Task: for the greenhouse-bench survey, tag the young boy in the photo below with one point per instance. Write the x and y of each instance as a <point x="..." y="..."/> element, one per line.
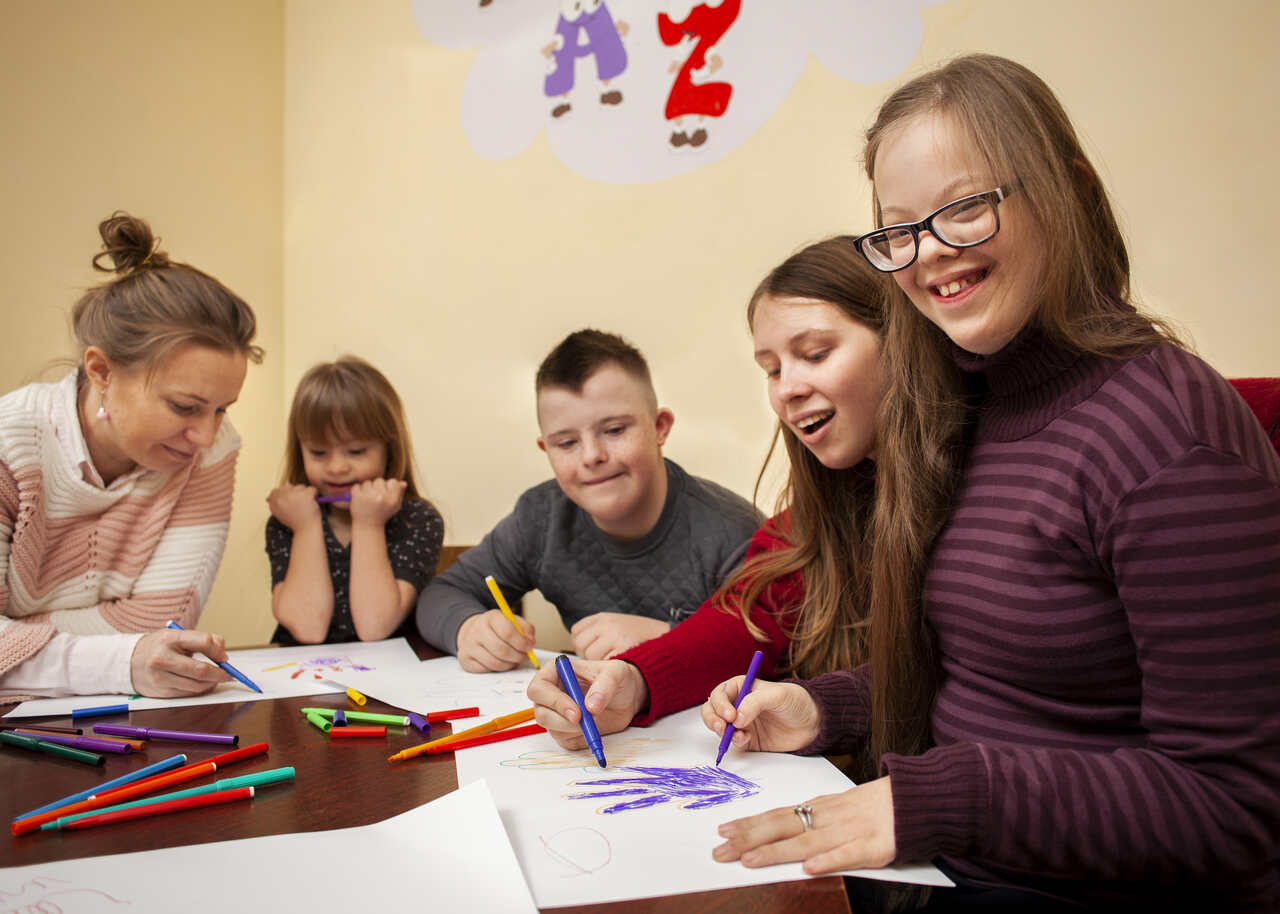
<point x="623" y="542"/>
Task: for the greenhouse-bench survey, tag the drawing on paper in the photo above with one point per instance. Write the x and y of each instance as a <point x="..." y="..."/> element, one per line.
<point x="487" y="687"/>
<point x="319" y="667"/>
<point x="692" y="788"/>
<point x="40" y="891"/>
<point x="580" y="850"/>
<point x="621" y="753"/>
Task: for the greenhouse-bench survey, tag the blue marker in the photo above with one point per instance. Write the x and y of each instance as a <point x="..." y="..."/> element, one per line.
<point x="569" y="679"/>
<point x="173" y="761"/>
<point x="747" y="683"/>
<point x="99" y="711"/>
<point x="222" y="663"/>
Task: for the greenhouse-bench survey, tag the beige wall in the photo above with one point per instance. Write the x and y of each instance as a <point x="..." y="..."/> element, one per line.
<point x="172" y="110"/>
<point x="455" y="274"/>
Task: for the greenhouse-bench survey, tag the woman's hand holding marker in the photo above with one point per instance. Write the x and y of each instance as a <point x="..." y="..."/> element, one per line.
<point x="615" y="694"/>
<point x="774" y="717"/>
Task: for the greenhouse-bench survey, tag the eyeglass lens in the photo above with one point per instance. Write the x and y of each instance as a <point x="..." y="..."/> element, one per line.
<point x="963" y="223"/>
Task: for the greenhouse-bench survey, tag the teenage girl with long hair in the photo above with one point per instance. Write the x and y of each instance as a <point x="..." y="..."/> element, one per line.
<point x="1077" y="588"/>
<point x="802" y="593"/>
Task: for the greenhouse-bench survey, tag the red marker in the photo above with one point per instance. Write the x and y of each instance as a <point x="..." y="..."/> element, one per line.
<point x="356" y="732"/>
<point x="436" y="717"/>
<point x="218" y="761"/>
<point x="487" y="738"/>
<point x="160" y="809"/>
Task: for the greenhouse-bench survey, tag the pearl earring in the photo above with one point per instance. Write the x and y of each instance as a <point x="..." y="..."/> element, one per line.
<point x="102" y="415"/>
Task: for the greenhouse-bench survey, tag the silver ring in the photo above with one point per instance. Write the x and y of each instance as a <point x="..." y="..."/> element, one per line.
<point x="805" y="812"/>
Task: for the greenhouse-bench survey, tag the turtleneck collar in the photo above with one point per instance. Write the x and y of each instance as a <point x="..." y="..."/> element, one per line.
<point x="1030" y="382"/>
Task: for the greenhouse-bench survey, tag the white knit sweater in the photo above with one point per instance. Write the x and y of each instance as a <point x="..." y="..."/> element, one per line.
<point x="79" y="558"/>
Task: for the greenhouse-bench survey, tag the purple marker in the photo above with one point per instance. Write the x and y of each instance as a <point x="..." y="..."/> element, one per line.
<point x="194" y="736"/>
<point x="747" y="683"/>
<point x="81" y="742"/>
<point x="330" y="499"/>
<point x="420" y="723"/>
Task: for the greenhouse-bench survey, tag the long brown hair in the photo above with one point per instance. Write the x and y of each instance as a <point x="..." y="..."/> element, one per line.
<point x="156" y="304"/>
<point x="830" y="510"/>
<point x="1017" y="127"/>
<point x="349" y="398"/>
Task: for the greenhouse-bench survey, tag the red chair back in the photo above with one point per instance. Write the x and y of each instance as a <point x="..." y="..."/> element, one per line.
<point x="1263" y="397"/>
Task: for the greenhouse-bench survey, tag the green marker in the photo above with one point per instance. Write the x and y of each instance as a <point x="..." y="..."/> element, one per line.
<point x="323" y="725"/>
<point x="275" y="775"/>
<point x="395" y="720"/>
<point x="39" y="745"/>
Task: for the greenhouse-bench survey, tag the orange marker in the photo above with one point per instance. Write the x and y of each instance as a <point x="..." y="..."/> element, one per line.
<point x="498" y="723"/>
<point x="514" y="733"/>
<point x="142" y="788"/>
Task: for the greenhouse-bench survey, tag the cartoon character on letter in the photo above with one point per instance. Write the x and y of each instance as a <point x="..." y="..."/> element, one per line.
<point x="603" y="40"/>
<point x="695" y="35"/>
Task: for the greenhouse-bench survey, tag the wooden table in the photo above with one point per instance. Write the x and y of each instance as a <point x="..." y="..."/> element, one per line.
<point x="338" y="784"/>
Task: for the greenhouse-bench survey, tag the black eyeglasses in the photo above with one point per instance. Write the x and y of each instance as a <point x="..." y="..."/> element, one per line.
<point x="962" y="223"/>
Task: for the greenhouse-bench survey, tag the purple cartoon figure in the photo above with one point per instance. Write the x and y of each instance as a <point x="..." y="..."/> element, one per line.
<point x="585" y="29"/>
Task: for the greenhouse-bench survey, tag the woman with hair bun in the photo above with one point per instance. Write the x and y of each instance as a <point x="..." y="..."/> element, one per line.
<point x="116" y="483"/>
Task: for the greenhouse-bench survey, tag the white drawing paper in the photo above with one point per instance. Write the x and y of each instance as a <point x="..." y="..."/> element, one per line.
<point x="442" y="684"/>
<point x="281" y="672"/>
<point x="580" y="841"/>
<point x="451" y="854"/>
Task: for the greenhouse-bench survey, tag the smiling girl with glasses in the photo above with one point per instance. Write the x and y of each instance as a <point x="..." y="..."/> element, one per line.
<point x="1077" y="588"/>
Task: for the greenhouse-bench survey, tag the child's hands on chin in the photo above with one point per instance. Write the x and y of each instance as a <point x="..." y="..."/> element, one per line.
<point x="294" y="505"/>
<point x="376" y="501"/>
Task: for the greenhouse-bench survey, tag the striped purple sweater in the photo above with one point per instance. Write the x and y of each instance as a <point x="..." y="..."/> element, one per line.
<point x="1106" y="598"/>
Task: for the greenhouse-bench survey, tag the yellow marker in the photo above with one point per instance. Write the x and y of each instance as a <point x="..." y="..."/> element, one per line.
<point x="511" y="617"/>
<point x="498" y="723"/>
<point x="356" y="697"/>
<point x="281" y="666"/>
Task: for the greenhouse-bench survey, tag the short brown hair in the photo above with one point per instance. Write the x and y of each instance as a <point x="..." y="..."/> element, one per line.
<point x="349" y="398"/>
<point x="155" y="304"/>
<point x="583" y="353"/>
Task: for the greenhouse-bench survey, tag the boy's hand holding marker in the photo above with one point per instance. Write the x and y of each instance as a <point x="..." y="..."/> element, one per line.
<point x="495" y="641"/>
<point x="614" y="693"/>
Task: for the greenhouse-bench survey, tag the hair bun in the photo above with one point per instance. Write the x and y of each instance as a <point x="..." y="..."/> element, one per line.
<point x="130" y="244"/>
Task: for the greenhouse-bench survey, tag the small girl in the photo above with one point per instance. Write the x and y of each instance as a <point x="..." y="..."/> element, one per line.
<point x="351" y="542"/>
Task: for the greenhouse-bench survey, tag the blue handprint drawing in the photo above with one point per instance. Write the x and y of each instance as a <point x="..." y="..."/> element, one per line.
<point x="700" y="787"/>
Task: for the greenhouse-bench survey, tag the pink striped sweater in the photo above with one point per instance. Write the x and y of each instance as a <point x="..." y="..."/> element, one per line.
<point x="81" y="559"/>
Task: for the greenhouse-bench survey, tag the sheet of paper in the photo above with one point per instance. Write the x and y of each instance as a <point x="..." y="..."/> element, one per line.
<point x="442" y="683"/>
<point x="451" y="855"/>
<point x="581" y="840"/>
<point x="281" y="672"/>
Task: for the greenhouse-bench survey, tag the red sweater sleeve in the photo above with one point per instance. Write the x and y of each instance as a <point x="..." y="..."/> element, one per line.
<point x="684" y="665"/>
